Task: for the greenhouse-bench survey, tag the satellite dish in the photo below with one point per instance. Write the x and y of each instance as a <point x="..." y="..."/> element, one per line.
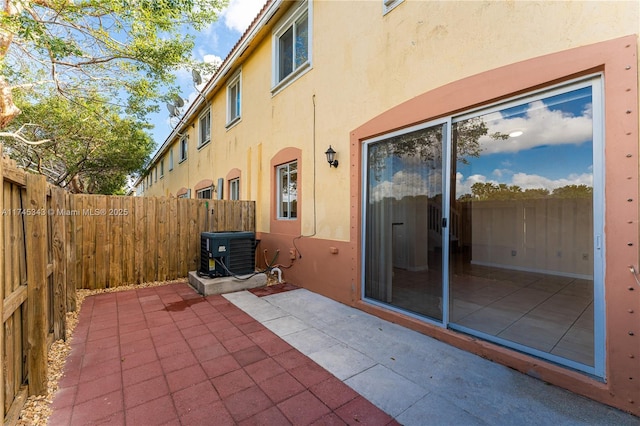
<point x="173" y="111"/>
<point x="178" y="102"/>
<point x="197" y="78"/>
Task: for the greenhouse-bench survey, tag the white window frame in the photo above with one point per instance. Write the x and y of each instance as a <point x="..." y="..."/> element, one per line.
<point x="184" y="148"/>
<point x="161" y="168"/>
<point x="201" y="192"/>
<point x="234" y="103"/>
<point x="171" y="159"/>
<point x="305" y="9"/>
<point x="234" y="189"/>
<point x="389" y="5"/>
<point x="204" y="128"/>
<point x="279" y="196"/>
<point x="155" y="174"/>
<point x="186" y="194"/>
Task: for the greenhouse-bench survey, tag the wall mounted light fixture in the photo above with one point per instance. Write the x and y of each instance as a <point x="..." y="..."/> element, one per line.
<point x="331" y="155"/>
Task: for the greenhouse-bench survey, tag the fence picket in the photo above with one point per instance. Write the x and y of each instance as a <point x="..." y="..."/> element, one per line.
<point x="57" y="218"/>
<point x="114" y="230"/>
<point x="37" y="283"/>
<point x="127" y="230"/>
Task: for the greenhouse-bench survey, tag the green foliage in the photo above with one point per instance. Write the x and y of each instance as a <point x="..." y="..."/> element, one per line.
<point x="481" y="191"/>
<point x="126" y="50"/>
<point x="426" y="144"/>
<point x="92" y="147"/>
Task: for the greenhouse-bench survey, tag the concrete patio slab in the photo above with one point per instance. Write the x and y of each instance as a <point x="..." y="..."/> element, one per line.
<point x="375" y="383"/>
<point x="342" y="360"/>
<point x="418" y="379"/>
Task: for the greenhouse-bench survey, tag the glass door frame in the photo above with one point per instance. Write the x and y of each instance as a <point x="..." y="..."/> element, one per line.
<point x="595" y="81"/>
<point x="446" y="132"/>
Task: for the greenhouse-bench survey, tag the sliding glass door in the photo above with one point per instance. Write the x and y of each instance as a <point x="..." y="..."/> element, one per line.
<point x="512" y="241"/>
<point x="404" y="206"/>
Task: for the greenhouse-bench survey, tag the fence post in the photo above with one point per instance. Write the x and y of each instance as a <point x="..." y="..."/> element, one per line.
<point x="59" y="243"/>
<point x="36" y="211"/>
<point x="71" y="231"/>
<point x="2" y="284"/>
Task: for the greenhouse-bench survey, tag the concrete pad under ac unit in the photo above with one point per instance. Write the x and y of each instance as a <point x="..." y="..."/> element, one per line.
<point x="208" y="286"/>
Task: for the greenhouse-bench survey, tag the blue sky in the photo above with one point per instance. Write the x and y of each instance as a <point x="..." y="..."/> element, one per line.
<point x="550" y="146"/>
<point x="211" y="44"/>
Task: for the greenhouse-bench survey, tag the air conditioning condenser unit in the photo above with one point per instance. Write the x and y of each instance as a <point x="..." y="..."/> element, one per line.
<point x="224" y="254"/>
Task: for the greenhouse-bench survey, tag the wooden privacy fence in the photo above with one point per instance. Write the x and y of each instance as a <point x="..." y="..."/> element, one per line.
<point x="128" y="240"/>
<point x="54" y="243"/>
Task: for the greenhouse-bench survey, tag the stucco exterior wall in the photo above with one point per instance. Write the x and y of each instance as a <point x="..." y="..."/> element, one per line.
<point x="617" y="61"/>
<point x="372" y="73"/>
<point x="365" y="62"/>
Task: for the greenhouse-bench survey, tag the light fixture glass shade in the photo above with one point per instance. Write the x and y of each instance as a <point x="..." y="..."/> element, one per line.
<point x="331" y="155"/>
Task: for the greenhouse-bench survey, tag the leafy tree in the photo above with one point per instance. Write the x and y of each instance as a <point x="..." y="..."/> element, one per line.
<point x="88" y="147"/>
<point x="426" y="144"/>
<point x="126" y="50"/>
<point x="573" y="191"/>
<point x="481" y="191"/>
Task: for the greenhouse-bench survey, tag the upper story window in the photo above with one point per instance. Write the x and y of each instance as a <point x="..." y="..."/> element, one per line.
<point x="291" y="46"/>
<point x="183" y="149"/>
<point x="287" y="190"/>
<point x="161" y="168"/>
<point x="171" y="159"/>
<point x="206" y="193"/>
<point x="234" y="189"/>
<point x="234" y="102"/>
<point x="205" y="128"/>
<point x="387" y="5"/>
<point x="155" y="174"/>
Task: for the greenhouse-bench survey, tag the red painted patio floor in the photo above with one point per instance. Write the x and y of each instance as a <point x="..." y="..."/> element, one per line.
<point x="168" y="356"/>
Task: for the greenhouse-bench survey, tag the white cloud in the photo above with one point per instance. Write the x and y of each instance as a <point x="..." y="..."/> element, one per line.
<point x="407" y="184"/>
<point x="540" y="126"/>
<point x="240" y="13"/>
<point x="212" y="59"/>
<point x="463" y="186"/>
<point x="524" y="181"/>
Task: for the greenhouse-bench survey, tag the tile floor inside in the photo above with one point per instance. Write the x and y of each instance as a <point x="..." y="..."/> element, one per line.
<point x="549" y="313"/>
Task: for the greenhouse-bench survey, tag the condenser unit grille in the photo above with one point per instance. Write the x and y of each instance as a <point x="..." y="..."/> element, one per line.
<point x="241" y="255"/>
<point x="227" y="253"/>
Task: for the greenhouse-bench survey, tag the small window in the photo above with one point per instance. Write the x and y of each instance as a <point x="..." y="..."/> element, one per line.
<point x="234" y="189"/>
<point x="186" y="194"/>
<point x="387" y="5"/>
<point x="155" y="174"/>
<point x="161" y="168"/>
<point x="205" y="193"/>
<point x="183" y="149"/>
<point x="205" y="129"/>
<point x="171" y="159"/>
<point x="292" y="50"/>
<point x="287" y="177"/>
<point x="234" y="102"/>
